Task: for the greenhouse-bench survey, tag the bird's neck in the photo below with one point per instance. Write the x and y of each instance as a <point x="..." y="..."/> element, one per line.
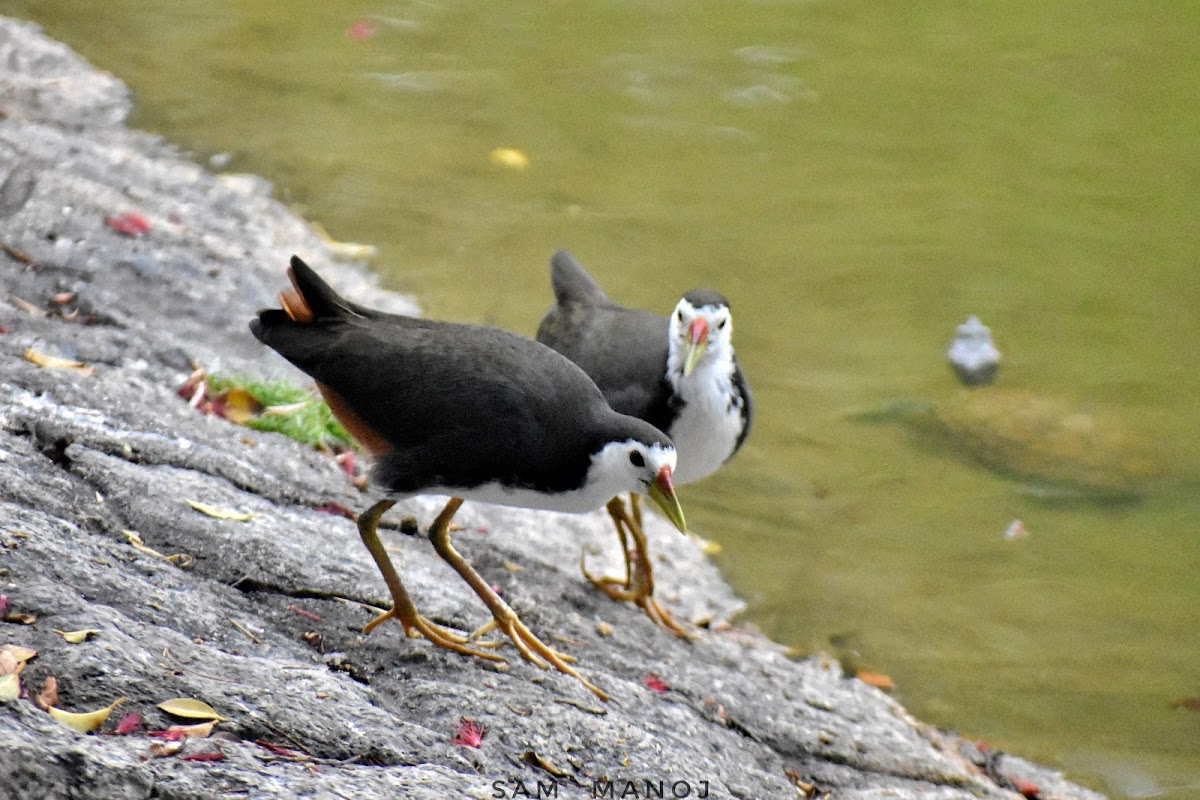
<point x="711" y="382"/>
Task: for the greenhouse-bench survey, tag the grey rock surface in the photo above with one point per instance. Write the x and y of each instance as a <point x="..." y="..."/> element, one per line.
<point x="85" y="458"/>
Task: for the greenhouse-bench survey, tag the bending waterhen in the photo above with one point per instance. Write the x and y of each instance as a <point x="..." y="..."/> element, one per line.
<point x="678" y="373"/>
<point x="471" y="412"/>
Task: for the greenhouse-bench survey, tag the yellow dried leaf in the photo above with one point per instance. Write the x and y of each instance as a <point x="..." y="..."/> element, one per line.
<point x="200" y="730"/>
<point x="220" y="513"/>
<point x="10" y="686"/>
<point x="54" y="362"/>
<point x="344" y="249"/>
<point x="88" y="722"/>
<point x="240" y="405"/>
<point x="75" y="637"/>
<point x="509" y="157"/>
<point x="18" y="654"/>
<point x="190" y="709"/>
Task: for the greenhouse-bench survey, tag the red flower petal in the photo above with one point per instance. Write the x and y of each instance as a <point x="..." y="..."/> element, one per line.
<point x="128" y="224"/>
<point x="130" y="723"/>
<point x="362" y="30"/>
<point x="469" y="734"/>
<point x="655" y="684"/>
<point x="203" y="757"/>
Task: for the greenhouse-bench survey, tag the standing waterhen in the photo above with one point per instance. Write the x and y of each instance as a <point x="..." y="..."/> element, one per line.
<point x="678" y="373"/>
<point x="466" y="411"/>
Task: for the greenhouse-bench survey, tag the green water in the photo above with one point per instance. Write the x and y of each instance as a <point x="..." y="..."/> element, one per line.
<point x="857" y="177"/>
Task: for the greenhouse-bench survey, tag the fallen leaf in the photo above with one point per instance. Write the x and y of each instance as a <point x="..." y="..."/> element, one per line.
<point x="303" y="613"/>
<point x="220" y="513"/>
<point x="469" y="733"/>
<point x="1015" y="530"/>
<point x="169" y="735"/>
<point x="276" y="749"/>
<point x="128" y="224"/>
<point x="18" y="654"/>
<point x="655" y="684"/>
<point x="344" y="249"/>
<point x="1027" y="789"/>
<point x="203" y="757"/>
<point x="10" y="686"/>
<point x="47" y="698"/>
<point x="239" y="406"/>
<point x="337" y="509"/>
<point x="604" y="629"/>
<point x="130" y="723"/>
<point x="190" y="709"/>
<point x="876" y="679"/>
<point x="54" y="362"/>
<point x="362" y="30"/>
<point x="167" y="748"/>
<point x="531" y="758"/>
<point x="509" y="157"/>
<point x="201" y="730"/>
<point x="75" y="637"/>
<point x="20" y="619"/>
<point x="85" y="722"/>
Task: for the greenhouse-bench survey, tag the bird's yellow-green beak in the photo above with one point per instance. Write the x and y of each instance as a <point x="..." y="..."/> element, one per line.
<point x="662" y="491"/>
<point x="697" y="341"/>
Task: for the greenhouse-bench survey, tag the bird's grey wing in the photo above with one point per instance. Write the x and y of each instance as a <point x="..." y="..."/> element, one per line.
<point x="739" y="382"/>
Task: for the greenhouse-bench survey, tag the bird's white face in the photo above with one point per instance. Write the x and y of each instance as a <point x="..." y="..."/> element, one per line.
<point x="633" y="466"/>
<point x="700" y="336"/>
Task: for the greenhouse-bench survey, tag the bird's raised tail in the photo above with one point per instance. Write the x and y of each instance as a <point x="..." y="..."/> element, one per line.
<point x="572" y="283"/>
<point x="311" y="297"/>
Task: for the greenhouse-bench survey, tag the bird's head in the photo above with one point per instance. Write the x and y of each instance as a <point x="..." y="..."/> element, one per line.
<point x="644" y="464"/>
<point x="701" y="332"/>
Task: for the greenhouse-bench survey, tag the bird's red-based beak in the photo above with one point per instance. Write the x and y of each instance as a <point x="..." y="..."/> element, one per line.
<point x="697" y="341"/>
<point x="662" y="491"/>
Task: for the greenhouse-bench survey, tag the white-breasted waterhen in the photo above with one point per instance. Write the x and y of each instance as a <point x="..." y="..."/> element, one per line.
<point x="471" y="412"/>
<point x="678" y="373"/>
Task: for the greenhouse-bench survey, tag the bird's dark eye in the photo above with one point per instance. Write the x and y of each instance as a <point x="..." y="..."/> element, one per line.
<point x="679" y="315"/>
<point x="636" y="459"/>
<point x="721" y="324"/>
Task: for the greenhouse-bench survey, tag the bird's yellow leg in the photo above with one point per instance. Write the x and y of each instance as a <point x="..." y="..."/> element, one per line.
<point x="640" y="583"/>
<point x="403" y="608"/>
<point x="608" y="583"/>
<point x="506" y="620"/>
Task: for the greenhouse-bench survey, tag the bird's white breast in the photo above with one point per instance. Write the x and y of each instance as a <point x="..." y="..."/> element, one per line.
<point x="708" y="426"/>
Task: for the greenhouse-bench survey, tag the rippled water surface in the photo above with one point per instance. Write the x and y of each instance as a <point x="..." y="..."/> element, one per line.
<point x="857" y="177"/>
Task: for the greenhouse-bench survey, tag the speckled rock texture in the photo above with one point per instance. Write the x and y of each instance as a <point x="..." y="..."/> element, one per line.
<point x="264" y="621"/>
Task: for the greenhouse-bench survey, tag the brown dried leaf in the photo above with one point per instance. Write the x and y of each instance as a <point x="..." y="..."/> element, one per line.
<point x="166" y="748"/>
<point x="20" y="619"/>
<point x="47" y="698"/>
<point x="531" y="758"/>
<point x="876" y="679"/>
